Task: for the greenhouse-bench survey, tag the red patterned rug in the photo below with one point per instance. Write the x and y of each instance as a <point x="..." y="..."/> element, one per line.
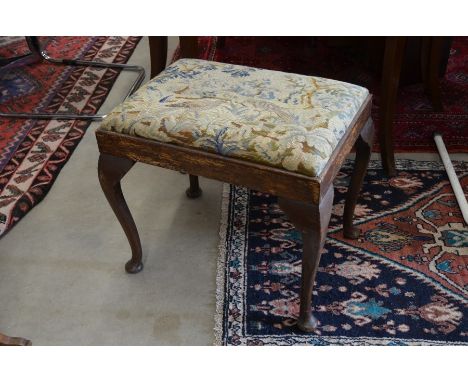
<point x="32" y="153"/>
<point x="415" y="122"/>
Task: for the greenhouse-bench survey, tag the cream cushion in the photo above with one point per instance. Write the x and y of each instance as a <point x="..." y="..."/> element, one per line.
<point x="283" y="120"/>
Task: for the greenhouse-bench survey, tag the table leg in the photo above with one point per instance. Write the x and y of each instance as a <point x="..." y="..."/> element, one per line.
<point x="188" y="46"/>
<point x="393" y="58"/>
<point x="430" y="63"/>
<point x="158" y="54"/>
<point x="221" y="42"/>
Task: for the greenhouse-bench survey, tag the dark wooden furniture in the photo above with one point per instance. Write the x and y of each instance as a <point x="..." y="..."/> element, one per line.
<point x="306" y="200"/>
<point x="393" y="58"/>
<point x="432" y="51"/>
<point x="13" y="341"/>
<point x="394" y="50"/>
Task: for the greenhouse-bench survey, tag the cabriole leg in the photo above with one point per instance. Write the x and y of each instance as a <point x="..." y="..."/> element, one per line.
<point x="111" y="170"/>
<point x="312" y="221"/>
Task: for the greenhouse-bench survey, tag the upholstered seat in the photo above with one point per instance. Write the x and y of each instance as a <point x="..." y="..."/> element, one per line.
<point x="283" y="120"/>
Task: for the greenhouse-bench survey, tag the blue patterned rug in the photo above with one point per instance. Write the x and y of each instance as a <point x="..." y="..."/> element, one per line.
<point x="403" y="282"/>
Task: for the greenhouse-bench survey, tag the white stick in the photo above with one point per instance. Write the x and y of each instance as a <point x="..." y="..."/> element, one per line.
<point x="452" y="175"/>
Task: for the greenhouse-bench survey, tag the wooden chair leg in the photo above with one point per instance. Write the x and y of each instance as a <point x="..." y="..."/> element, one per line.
<point x="393" y="58"/>
<point x="312" y="221"/>
<point x="188" y="46"/>
<point x="13" y="341"/>
<point x="111" y="170"/>
<point x="430" y="63"/>
<point x="363" y="152"/>
<point x="158" y="54"/>
<point x="194" y="191"/>
<point x="221" y="42"/>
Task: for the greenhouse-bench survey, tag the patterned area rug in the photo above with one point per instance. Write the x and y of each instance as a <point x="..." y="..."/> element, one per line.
<point x="415" y="121"/>
<point x="403" y="282"/>
<point x="32" y="153"/>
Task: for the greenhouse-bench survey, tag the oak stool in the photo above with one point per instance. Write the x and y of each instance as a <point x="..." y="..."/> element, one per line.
<point x="281" y="133"/>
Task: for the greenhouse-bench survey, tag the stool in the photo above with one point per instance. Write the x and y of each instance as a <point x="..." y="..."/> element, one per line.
<point x="280" y="133"/>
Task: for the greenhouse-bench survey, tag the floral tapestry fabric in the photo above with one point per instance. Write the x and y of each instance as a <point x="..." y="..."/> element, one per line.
<point x="283" y="120"/>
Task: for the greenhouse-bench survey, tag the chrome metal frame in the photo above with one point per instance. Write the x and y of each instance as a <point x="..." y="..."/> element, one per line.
<point x="37" y="54"/>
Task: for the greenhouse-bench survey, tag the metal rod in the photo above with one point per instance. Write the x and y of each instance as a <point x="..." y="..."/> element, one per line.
<point x="36" y="51"/>
<point x="452" y="175"/>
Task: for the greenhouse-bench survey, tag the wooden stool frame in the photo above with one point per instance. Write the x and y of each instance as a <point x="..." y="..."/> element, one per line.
<point x="306" y="200"/>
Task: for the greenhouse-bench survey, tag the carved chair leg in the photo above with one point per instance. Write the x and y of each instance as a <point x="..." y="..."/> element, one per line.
<point x="111" y="170"/>
<point x="194" y="191"/>
<point x="363" y="151"/>
<point x="312" y="221"/>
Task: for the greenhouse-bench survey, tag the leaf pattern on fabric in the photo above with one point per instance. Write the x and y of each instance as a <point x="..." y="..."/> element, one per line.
<point x="280" y="119"/>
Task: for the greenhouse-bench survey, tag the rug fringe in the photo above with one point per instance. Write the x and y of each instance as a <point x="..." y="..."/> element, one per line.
<point x="221" y="266"/>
